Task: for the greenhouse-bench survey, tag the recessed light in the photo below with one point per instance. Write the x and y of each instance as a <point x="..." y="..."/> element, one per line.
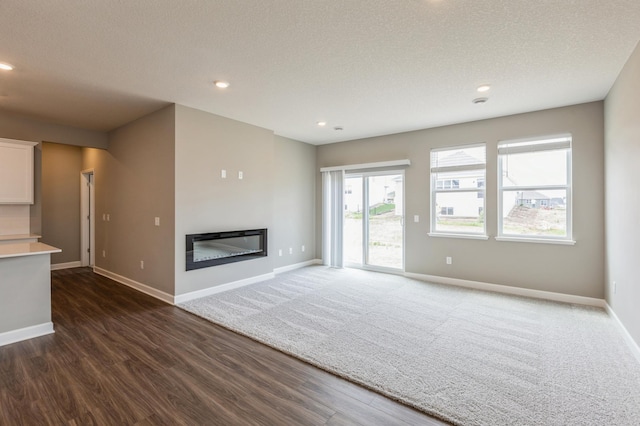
<point x="221" y="84"/>
<point x="5" y="66"/>
<point x="321" y="123"/>
<point x="484" y="88"/>
<point x="480" y="100"/>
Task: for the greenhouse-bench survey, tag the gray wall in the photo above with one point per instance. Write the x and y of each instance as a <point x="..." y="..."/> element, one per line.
<point x="134" y="183"/>
<point x="61" y="167"/>
<point x="26" y="292"/>
<point x="16" y="126"/>
<point x="204" y="202"/>
<point x="294" y="201"/>
<point x="576" y="270"/>
<point x="622" y="151"/>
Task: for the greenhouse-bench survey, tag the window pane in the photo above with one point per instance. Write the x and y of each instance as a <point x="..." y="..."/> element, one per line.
<point x="534" y="168"/>
<point x="352" y="226"/>
<point x="464" y="179"/>
<point x="459" y="212"/>
<point x="385" y="221"/>
<point x="534" y="213"/>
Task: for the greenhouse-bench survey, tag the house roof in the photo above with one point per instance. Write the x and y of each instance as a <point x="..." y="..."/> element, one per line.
<point x="534" y="195"/>
<point x="370" y="67"/>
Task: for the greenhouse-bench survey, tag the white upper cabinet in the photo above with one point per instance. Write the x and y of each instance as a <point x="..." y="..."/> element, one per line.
<point x="16" y="171"/>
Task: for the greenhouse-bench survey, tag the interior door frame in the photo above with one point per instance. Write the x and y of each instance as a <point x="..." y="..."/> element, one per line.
<point x="365" y="220"/>
<point x="87" y="218"/>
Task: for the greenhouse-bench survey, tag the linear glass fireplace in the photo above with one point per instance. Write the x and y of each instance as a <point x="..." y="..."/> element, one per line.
<point x="217" y="248"/>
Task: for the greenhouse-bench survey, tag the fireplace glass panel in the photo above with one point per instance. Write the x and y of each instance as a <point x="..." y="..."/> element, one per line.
<point x="228" y="247"/>
<point x="217" y="248"/>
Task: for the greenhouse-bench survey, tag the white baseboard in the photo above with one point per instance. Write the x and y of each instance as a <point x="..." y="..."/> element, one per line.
<point x="58" y="266"/>
<point x="633" y="345"/>
<point x="181" y="298"/>
<point x="517" y="291"/>
<point x="165" y="297"/>
<point x="297" y="266"/>
<point x="25" y="333"/>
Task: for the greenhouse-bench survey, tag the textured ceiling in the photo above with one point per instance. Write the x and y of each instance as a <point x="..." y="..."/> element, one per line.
<point x="371" y="66"/>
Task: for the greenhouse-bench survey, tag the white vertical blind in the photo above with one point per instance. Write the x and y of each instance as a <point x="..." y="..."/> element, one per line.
<point x="332" y="215"/>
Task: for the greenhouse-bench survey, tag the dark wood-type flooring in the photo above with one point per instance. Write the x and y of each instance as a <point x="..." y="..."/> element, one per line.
<point x="120" y="357"/>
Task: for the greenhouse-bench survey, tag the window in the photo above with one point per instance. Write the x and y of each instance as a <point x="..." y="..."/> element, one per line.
<point x="446" y="211"/>
<point x="534" y="189"/>
<point x="457" y="190"/>
<point x="447" y="183"/>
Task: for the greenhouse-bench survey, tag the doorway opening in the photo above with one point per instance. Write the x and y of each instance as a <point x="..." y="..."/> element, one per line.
<point x="87" y="218"/>
<point x="373" y="222"/>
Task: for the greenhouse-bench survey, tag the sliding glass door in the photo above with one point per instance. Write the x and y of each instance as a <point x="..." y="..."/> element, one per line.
<point x="373" y="226"/>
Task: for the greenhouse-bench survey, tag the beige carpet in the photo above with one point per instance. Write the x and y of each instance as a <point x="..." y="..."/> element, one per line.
<point x="465" y="356"/>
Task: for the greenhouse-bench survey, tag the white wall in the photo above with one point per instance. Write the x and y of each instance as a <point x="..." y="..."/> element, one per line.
<point x="622" y="173"/>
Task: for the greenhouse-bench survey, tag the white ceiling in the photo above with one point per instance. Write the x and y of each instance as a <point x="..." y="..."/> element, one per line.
<point x="371" y="66"/>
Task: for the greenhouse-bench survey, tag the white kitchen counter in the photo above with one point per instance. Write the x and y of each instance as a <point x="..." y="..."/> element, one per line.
<point x="26" y="249"/>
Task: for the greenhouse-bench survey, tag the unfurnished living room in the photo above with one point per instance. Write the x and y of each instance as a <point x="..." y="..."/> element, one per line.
<point x="314" y="212"/>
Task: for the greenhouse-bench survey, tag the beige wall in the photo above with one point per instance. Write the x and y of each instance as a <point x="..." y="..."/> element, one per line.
<point x="576" y="270"/>
<point x="134" y="183"/>
<point x="61" y="167"/>
<point x="206" y="144"/>
<point x="622" y="151"/>
<point x="294" y="201"/>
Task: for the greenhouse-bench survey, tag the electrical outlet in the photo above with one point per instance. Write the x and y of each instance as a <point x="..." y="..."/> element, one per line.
<point x="142" y="264"/>
<point x="615" y="287"/>
<point x="416" y="218"/>
<point x="104" y="253"/>
<point x="449" y="260"/>
<point x="157" y="221"/>
<point x="108" y="217"/>
<point x="303" y="249"/>
<point x="223" y="174"/>
<point x="290" y="250"/>
<point x="280" y="252"/>
<point x="240" y="175"/>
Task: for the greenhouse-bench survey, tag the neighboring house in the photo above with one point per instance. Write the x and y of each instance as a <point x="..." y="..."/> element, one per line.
<point x="537" y="200"/>
<point x="352" y="195"/>
<point x="463" y="204"/>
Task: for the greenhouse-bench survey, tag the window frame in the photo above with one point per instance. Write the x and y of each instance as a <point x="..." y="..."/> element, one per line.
<point x="433" y="171"/>
<point x="531" y="145"/>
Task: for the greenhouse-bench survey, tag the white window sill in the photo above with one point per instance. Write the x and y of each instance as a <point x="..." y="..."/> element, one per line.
<point x="536" y="240"/>
<point x="464" y="236"/>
